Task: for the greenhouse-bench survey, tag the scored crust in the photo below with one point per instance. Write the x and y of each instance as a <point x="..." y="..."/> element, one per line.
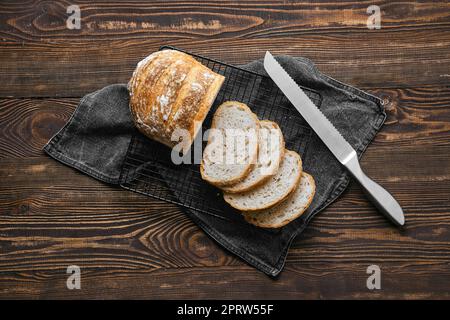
<point x="241" y="186"/>
<point x="257" y="217"/>
<point x="252" y="157"/>
<point x="171" y="90"/>
<point x="228" y="196"/>
<point x="206" y="105"/>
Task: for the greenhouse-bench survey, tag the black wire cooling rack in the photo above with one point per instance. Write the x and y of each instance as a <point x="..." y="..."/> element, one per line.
<point x="148" y="168"/>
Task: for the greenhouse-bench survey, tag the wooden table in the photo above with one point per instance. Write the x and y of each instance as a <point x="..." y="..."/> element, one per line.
<point x="129" y="246"/>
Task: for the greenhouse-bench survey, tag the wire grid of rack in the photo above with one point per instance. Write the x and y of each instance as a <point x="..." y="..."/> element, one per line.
<point x="148" y="167"/>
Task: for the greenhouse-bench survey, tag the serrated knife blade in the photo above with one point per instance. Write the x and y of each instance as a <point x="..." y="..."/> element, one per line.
<point x="333" y="139"/>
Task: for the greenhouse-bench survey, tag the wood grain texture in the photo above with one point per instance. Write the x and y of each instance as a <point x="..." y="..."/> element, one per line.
<point x="45" y="21"/>
<point x="309" y="281"/>
<point x="130" y="246"/>
<point x="115" y="37"/>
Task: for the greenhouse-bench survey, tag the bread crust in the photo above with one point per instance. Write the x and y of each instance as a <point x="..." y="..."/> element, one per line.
<point x="275" y="202"/>
<point x="252" y="158"/>
<point x="171" y="90"/>
<point x="236" y="189"/>
<point x="292" y="217"/>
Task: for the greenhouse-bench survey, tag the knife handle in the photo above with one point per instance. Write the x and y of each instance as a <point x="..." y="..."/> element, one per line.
<point x="379" y="196"/>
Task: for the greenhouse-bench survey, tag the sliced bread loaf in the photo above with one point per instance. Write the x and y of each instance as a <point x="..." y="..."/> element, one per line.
<point x="274" y="190"/>
<point x="232" y="148"/>
<point x="288" y="210"/>
<point x="270" y="153"/>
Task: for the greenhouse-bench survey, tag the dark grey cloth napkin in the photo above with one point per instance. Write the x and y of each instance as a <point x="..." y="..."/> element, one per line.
<point x="96" y="138"/>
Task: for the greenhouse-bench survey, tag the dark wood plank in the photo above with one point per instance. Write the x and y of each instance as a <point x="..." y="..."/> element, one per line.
<point x="27" y="124"/>
<point x="63" y="70"/>
<point x="308" y="281"/>
<point x="46" y="59"/>
<point x="416" y="116"/>
<point x="45" y="21"/>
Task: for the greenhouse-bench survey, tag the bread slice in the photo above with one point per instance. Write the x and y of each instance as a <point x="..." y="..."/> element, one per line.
<point x="274" y="190"/>
<point x="232" y="148"/>
<point x="270" y="153"/>
<point x="288" y="210"/>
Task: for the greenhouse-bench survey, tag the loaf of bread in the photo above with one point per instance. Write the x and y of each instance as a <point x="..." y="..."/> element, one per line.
<point x="170" y="90"/>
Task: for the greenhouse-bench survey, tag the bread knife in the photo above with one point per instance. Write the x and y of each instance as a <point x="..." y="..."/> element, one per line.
<point x="332" y="138"/>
